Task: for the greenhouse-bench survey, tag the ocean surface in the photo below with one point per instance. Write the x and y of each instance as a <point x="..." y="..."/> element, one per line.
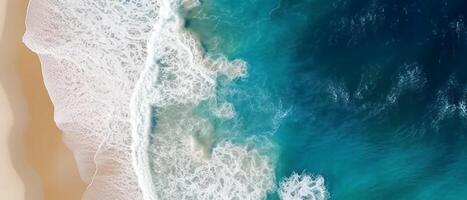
<point x="368" y="94"/>
<point x="259" y="99"/>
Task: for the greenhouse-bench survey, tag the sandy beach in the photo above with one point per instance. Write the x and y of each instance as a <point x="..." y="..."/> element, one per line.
<point x="11" y="185"/>
<point x="36" y="164"/>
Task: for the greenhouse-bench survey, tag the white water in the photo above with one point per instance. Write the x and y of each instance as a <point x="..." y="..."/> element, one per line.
<point x="92" y="53"/>
<point x="109" y="68"/>
<point x="175" y="161"/>
<point x="302" y="187"/>
<point x="103" y="80"/>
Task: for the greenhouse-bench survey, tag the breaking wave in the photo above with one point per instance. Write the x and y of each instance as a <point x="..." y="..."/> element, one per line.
<point x="125" y="78"/>
<point x="303" y="187"/>
<point x="178" y="159"/>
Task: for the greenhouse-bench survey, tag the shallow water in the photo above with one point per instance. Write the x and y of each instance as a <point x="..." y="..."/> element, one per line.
<point x="369" y="94"/>
<point x="262" y="99"/>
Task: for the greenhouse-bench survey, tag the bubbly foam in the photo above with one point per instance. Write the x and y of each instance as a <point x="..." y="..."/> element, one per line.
<point x="446" y="106"/>
<point x="179" y="159"/>
<point x="186" y="164"/>
<point x="125" y="77"/>
<point x="92" y="53"/>
<point x="410" y="78"/>
<point x="302" y="187"/>
<point x="225" y="110"/>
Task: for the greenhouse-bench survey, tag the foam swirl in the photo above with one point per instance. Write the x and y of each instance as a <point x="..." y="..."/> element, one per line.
<point x="178" y="159"/>
<point x="108" y="66"/>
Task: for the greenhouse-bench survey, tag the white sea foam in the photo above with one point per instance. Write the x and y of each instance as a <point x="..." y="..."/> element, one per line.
<point x="446" y="106"/>
<point x="92" y="53"/>
<point x="303" y="187"/>
<point x="410" y="78"/>
<point x="179" y="159"/>
<point x="111" y="65"/>
<point x="225" y="110"/>
<point x="367" y="83"/>
<point x="339" y="92"/>
<point x="186" y="164"/>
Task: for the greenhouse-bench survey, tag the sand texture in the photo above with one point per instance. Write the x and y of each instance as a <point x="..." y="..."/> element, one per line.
<point x="36" y="151"/>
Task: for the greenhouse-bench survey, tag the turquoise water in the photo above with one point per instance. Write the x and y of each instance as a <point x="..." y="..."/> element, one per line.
<point x="369" y="94"/>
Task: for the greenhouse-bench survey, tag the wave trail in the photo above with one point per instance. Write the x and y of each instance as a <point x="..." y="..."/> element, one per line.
<point x="107" y="66"/>
<point x="126" y="80"/>
<point x="178" y="159"/>
<point x="92" y="52"/>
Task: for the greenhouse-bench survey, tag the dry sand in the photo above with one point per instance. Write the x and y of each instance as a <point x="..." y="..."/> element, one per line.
<point x="11" y="185"/>
<point x="45" y="166"/>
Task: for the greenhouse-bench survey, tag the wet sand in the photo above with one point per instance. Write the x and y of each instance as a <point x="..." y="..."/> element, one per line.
<point x="46" y="166"/>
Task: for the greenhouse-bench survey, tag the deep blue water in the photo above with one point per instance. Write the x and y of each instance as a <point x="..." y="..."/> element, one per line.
<point x="370" y="94"/>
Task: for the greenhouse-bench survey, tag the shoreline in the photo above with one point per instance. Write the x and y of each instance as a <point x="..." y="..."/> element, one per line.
<point x="46" y="166"/>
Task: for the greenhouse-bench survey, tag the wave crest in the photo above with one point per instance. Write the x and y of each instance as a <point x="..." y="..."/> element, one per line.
<point x="303" y="187"/>
<point x="179" y="158"/>
<point x="92" y="53"/>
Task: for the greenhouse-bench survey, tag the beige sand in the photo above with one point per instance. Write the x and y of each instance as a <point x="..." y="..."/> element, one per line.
<point x="45" y="165"/>
<point x="11" y="185"/>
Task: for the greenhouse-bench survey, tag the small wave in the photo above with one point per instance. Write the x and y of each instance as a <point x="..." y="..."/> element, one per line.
<point x="303" y="187"/>
<point x="410" y="78"/>
<point x="186" y="164"/>
<point x="450" y="102"/>
<point x="179" y="159"/>
<point x="339" y="92"/>
<point x="111" y="68"/>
